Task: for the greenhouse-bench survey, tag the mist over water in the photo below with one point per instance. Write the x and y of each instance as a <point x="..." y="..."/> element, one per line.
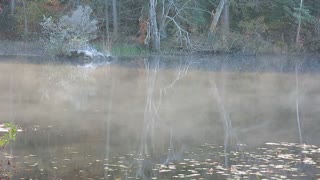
<point x="77" y="118"/>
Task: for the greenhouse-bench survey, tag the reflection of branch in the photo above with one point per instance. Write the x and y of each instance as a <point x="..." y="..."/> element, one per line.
<point x="179" y="76"/>
<point x="226" y="120"/>
<point x="297" y="105"/>
<point x="109" y="116"/>
<point x="150" y="117"/>
<point x="151" y="112"/>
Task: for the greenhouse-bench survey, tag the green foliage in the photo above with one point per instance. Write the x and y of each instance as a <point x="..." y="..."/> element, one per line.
<point x="254" y="35"/>
<point x="34" y="12"/>
<point x="10" y="135"/>
<point x="254" y="27"/>
<point x="126" y="50"/>
<point x="312" y="36"/>
<point x="304" y="14"/>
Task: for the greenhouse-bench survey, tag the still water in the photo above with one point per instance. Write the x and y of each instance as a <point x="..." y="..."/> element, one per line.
<point x="154" y="117"/>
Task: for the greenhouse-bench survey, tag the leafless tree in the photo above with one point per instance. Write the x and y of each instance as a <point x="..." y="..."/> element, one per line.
<point x="299" y="25"/>
<point x="226" y="20"/>
<point x="216" y="16"/>
<point x="154" y="32"/>
<point x="26" y="29"/>
<point x="12" y="6"/>
<point x="115" y="17"/>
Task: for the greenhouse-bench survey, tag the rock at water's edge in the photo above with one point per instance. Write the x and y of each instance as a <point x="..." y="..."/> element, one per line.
<point x="88" y="54"/>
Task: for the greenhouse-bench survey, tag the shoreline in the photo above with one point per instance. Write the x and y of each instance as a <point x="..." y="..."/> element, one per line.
<point x="36" y="49"/>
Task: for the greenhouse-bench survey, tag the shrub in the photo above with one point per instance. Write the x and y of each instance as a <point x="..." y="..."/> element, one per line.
<point x="253" y="32"/>
<point x="69" y="33"/>
<point x="10" y="135"/>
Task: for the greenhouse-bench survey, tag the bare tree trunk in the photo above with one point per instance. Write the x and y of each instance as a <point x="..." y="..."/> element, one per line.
<point x="162" y="23"/>
<point x="107" y="23"/>
<point x="115" y="17"/>
<point x="106" y="11"/>
<point x="299" y="25"/>
<point x="26" y="29"/>
<point x="77" y="4"/>
<point x="12" y="6"/>
<point x="163" y="29"/>
<point x="216" y="16"/>
<point x="256" y="5"/>
<point x="155" y="38"/>
<point x="226" y="23"/>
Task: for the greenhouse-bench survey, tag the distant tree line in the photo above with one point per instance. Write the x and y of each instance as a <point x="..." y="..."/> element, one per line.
<point x="195" y="25"/>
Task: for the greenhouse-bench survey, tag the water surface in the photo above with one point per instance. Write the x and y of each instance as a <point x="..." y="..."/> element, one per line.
<point x="77" y="119"/>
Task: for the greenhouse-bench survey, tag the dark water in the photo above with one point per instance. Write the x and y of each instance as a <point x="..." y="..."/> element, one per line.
<point x="146" y="117"/>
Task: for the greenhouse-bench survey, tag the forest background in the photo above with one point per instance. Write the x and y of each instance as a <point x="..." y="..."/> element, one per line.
<point x="210" y="26"/>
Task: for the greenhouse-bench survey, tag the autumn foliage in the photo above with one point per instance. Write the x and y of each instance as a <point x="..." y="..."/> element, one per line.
<point x="54" y="5"/>
<point x="143" y="30"/>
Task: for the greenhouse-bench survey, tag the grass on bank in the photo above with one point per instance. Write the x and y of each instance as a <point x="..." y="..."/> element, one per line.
<point x="127" y="50"/>
<point x="121" y="49"/>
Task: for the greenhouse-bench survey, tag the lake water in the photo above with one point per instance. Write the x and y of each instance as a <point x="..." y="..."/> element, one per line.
<point x="134" y="117"/>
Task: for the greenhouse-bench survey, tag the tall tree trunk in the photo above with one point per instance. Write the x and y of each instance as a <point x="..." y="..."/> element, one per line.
<point x="226" y="23"/>
<point x="256" y="5"/>
<point x="162" y="23"/>
<point x="106" y="11"/>
<point x="12" y="6"/>
<point x="216" y="16"/>
<point x="163" y="29"/>
<point x="107" y="23"/>
<point x="77" y="4"/>
<point x="115" y="17"/>
<point x="299" y="25"/>
<point x="155" y="38"/>
<point x="26" y="29"/>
